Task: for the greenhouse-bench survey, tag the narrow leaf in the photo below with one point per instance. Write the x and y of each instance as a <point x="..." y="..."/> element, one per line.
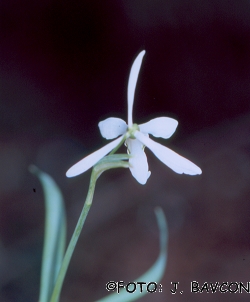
<point x="55" y="234"/>
<point x="154" y="274"/>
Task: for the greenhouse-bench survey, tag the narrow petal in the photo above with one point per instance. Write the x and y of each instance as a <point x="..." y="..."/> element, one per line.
<point x="133" y="76"/>
<point x="170" y="158"/>
<point x="160" y="127"/>
<point x="90" y="160"/>
<point x="112" y="127"/>
<point x="138" y="162"/>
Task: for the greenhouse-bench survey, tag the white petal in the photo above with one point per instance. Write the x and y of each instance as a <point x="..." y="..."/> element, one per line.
<point x="170" y="158"/>
<point x="133" y="76"/>
<point x="138" y="161"/>
<point x="160" y="127"/>
<point x="90" y="160"/>
<point x="112" y="127"/>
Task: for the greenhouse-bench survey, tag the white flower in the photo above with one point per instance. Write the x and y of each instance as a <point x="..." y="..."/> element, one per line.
<point x="136" y="137"/>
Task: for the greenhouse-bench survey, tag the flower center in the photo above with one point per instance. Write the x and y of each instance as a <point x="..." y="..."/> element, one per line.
<point x="132" y="129"/>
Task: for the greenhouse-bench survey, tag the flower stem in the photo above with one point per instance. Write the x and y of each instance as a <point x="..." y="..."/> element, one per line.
<point x="119" y="145"/>
<point x="110" y="162"/>
<point x="61" y="275"/>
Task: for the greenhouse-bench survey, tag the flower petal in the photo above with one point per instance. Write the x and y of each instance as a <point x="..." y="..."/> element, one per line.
<point x="90" y="160"/>
<point x="170" y="158"/>
<point x="138" y="162"/>
<point x="112" y="127"/>
<point x="160" y="127"/>
<point x="133" y="76"/>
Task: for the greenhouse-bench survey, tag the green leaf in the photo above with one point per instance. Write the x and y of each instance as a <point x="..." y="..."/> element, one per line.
<point x="55" y="234"/>
<point x="154" y="274"/>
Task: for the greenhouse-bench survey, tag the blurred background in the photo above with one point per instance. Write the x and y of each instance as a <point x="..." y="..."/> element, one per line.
<point x="64" y="68"/>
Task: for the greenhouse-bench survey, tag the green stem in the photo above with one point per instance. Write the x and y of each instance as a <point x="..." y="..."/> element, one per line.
<point x="61" y="275"/>
<point x="119" y="145"/>
<point x="98" y="169"/>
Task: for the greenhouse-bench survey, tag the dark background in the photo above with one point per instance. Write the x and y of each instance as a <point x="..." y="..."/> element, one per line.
<point x="65" y="67"/>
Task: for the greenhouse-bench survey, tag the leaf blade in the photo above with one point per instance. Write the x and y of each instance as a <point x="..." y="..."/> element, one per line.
<point x="55" y="233"/>
<point x="155" y="273"/>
